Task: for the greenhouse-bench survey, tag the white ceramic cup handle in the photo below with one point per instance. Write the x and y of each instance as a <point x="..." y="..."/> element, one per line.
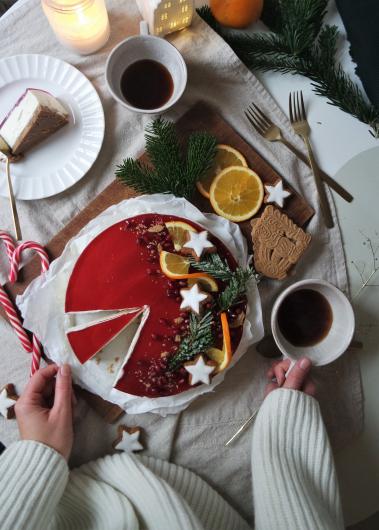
<point x="290" y="368"/>
<point x="143" y="28"/>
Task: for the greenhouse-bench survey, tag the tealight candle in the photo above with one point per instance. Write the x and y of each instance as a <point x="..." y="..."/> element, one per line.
<point x="81" y="25"/>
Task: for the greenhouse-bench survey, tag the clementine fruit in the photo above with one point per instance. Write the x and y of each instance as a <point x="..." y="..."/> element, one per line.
<point x="236" y="13"/>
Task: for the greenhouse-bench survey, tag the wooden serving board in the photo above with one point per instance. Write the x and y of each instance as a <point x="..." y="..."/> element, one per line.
<point x="201" y="117"/>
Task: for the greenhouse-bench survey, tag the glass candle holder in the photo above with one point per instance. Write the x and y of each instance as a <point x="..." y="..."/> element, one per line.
<point x="80" y="25"/>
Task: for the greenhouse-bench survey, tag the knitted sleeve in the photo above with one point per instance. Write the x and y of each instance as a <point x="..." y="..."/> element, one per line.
<point x="32" y="479"/>
<point x="294" y="479"/>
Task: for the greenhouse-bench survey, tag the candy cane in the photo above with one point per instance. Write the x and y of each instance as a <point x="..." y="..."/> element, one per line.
<point x="14" y="256"/>
<point x="8" y="242"/>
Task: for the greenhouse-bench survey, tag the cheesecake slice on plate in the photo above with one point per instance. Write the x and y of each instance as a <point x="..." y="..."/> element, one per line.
<point x="35" y="116"/>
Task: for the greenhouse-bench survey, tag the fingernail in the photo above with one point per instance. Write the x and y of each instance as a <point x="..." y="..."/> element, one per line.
<point x="65" y="370"/>
<point x="305" y="363"/>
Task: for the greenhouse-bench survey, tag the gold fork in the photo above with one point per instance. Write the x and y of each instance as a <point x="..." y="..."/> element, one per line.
<point x="300" y="125"/>
<point x="12" y="201"/>
<point x="271" y="132"/>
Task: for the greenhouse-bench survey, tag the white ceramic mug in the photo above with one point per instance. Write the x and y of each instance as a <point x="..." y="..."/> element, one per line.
<point x="341" y="332"/>
<point x="142" y="47"/>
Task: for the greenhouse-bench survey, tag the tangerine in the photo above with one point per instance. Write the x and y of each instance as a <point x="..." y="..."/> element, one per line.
<point x="236" y="13"/>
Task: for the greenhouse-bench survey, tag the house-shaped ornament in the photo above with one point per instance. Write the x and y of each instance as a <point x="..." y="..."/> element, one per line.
<point x="166" y="16"/>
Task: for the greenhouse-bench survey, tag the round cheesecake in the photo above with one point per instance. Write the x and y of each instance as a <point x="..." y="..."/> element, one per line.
<point x="118" y="284"/>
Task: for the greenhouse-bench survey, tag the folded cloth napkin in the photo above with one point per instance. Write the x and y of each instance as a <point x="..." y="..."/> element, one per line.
<point x="196" y="437"/>
<point x="361" y="20"/>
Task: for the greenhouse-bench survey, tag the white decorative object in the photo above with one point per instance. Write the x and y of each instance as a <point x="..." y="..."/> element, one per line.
<point x="129" y="442"/>
<point x="5" y="402"/>
<point x="277" y="193"/>
<point x="80" y="25"/>
<point x="192" y="298"/>
<point x="198" y="242"/>
<point x="166" y="16"/>
<point x="199" y="371"/>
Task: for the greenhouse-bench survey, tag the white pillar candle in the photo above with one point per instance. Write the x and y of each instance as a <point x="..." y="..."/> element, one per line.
<point x="81" y="25"/>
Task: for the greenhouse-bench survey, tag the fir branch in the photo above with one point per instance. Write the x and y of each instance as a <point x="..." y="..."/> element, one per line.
<point x="214" y="266"/>
<point x="198" y="340"/>
<point x="235" y="289"/>
<point x="170" y="170"/>
<point x="236" y="280"/>
<point x="298" y="43"/>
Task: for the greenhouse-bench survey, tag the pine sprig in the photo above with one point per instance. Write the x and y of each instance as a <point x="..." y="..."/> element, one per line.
<point x="198" y="340"/>
<point x="214" y="266"/>
<point x="236" y="280"/>
<point x="299" y="43"/>
<point x="235" y="289"/>
<point x="170" y="169"/>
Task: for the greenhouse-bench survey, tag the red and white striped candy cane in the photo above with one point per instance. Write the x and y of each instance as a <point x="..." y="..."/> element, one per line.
<point x="14" y="256"/>
<point x="8" y="242"/>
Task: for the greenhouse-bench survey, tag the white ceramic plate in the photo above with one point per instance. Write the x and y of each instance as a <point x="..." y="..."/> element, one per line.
<point x="65" y="157"/>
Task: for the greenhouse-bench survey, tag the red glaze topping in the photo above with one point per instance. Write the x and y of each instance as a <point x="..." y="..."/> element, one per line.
<point x="120" y="269"/>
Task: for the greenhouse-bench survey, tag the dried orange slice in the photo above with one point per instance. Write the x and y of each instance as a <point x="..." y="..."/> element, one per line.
<point x="237" y="193"/>
<point x="207" y="283"/>
<point x="173" y="265"/>
<point x="222" y="357"/>
<point x="178" y="231"/>
<point x="226" y="156"/>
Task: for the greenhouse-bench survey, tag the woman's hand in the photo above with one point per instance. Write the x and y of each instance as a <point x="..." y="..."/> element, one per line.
<point x="298" y="378"/>
<point x="45" y="415"/>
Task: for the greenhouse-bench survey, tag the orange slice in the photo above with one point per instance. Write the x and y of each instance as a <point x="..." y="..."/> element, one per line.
<point x="226" y="156"/>
<point x="176" y="267"/>
<point x="178" y="231"/>
<point x="236" y="193"/>
<point x="207" y="283"/>
<point x="173" y="266"/>
<point x="222" y="357"/>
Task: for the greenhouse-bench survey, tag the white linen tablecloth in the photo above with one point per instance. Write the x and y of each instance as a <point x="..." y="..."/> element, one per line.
<point x="196" y="437"/>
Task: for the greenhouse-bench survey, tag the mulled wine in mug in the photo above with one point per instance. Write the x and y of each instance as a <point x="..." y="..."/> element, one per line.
<point x="314" y="319"/>
<point x="146" y="74"/>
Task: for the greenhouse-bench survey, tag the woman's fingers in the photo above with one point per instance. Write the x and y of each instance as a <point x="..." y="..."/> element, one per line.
<point x="270" y="372"/>
<point x="270" y="387"/>
<point x="280" y="371"/>
<point x="310" y="388"/>
<point x="39" y="382"/>
<point x="297" y="376"/>
<point x="63" y="392"/>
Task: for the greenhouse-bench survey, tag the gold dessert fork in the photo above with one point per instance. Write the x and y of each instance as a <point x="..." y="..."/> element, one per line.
<point x="271" y="132"/>
<point x="4" y="156"/>
<point x="300" y="125"/>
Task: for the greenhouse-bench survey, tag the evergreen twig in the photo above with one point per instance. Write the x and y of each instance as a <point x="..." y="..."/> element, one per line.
<point x="198" y="340"/>
<point x="170" y="170"/>
<point x="236" y="280"/>
<point x="299" y="43"/>
<point x="235" y="289"/>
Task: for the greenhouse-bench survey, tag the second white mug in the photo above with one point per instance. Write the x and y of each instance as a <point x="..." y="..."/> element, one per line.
<point x="145" y="47"/>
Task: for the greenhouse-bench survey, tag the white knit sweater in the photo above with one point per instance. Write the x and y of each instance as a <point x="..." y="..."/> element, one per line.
<point x="294" y="482"/>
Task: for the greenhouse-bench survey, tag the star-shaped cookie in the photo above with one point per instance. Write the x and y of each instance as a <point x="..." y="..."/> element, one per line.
<point x="128" y="439"/>
<point x="193" y="298"/>
<point x="198" y="243"/>
<point x="8" y="398"/>
<point x="199" y="371"/>
<point x="277" y="194"/>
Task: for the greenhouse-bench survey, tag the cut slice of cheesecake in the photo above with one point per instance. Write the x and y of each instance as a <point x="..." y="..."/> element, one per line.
<point x="86" y="340"/>
<point x="35" y="116"/>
